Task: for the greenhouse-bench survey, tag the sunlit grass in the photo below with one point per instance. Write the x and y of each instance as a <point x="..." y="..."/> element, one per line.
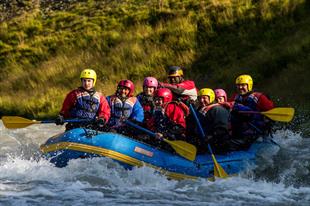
<point x="45" y="44"/>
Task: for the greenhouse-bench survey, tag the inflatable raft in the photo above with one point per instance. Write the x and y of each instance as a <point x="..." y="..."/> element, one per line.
<point x="85" y="143"/>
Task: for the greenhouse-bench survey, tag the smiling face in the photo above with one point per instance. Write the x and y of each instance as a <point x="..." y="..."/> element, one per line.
<point x="149" y="91"/>
<point x="204" y="100"/>
<point x="123" y="91"/>
<point x="87" y="83"/>
<point x="242" y="88"/>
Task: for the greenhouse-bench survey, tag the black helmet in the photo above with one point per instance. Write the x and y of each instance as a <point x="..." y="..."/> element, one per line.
<point x="175" y="71"/>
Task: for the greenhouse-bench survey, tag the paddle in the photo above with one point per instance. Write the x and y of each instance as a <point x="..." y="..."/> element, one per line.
<point x="182" y="148"/>
<point x="15" y="122"/>
<point x="218" y="170"/>
<point x="281" y="114"/>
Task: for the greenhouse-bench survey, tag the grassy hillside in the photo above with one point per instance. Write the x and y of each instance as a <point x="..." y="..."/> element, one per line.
<point x="44" y="44"/>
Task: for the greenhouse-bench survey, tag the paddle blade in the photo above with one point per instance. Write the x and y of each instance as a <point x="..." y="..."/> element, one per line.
<point x="183" y="148"/>
<point x="14" y="122"/>
<point x="218" y="170"/>
<point x="281" y="114"/>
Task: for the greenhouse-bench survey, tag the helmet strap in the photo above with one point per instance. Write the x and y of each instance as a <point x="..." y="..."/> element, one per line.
<point x="91" y="91"/>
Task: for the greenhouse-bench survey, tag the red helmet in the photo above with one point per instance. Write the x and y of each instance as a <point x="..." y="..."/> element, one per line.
<point x="127" y="83"/>
<point x="165" y="93"/>
<point x="150" y="82"/>
<point x="220" y="93"/>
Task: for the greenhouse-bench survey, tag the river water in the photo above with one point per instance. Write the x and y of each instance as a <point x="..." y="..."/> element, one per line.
<point x="281" y="177"/>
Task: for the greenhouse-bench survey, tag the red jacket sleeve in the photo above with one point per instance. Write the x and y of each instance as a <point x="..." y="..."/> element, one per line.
<point x="175" y="113"/>
<point x="104" y="109"/>
<point x="227" y="105"/>
<point x="68" y="103"/>
<point x="264" y="103"/>
<point x="186" y="84"/>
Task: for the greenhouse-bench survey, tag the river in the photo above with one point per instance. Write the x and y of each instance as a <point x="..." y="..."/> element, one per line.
<point x="281" y="177"/>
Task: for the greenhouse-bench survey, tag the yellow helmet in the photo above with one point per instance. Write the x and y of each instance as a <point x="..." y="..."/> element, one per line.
<point x="207" y="92"/>
<point x="245" y="79"/>
<point x="89" y="74"/>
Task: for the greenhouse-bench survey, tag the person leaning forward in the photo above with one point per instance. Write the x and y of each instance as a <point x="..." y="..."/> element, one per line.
<point x="85" y="103"/>
<point x="169" y="116"/>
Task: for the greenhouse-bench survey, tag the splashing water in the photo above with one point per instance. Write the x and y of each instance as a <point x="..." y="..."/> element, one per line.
<point x="279" y="178"/>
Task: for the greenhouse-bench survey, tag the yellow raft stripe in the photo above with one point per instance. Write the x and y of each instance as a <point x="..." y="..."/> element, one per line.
<point x="111" y="154"/>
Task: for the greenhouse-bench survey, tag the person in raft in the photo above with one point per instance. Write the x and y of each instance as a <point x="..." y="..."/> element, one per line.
<point x="85" y="103"/>
<point x="184" y="90"/>
<point x="146" y="97"/>
<point x="169" y="116"/>
<point x="124" y="106"/>
<point x="214" y="119"/>
<point x="247" y="127"/>
<point x="221" y="98"/>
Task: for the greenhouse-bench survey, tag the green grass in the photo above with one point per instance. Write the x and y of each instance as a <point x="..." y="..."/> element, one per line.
<point x="45" y="44"/>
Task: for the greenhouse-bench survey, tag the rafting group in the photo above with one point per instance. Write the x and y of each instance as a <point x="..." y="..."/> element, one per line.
<point x="176" y="111"/>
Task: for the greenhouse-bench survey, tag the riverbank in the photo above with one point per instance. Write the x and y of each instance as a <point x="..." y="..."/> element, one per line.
<point x="45" y="44"/>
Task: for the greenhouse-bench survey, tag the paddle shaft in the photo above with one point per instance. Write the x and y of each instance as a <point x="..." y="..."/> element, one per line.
<point x="257" y="112"/>
<point x="218" y="170"/>
<point x="264" y="113"/>
<point x="202" y="133"/>
<point x="249" y="112"/>
<point x="66" y="120"/>
<point x="15" y="122"/>
<point x="149" y="132"/>
<point x="182" y="148"/>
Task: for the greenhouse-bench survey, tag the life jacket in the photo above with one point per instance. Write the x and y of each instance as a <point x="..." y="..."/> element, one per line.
<point x="170" y="120"/>
<point x="176" y="115"/>
<point x="250" y="100"/>
<point x="87" y="104"/>
<point x="120" y="108"/>
<point x="248" y="126"/>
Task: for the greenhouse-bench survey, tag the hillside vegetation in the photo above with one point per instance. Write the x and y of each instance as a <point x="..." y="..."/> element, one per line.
<point x="44" y="44"/>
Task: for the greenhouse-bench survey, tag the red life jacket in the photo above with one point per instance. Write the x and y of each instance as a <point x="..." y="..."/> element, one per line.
<point x="255" y="100"/>
<point x="177" y="112"/>
<point x="82" y="104"/>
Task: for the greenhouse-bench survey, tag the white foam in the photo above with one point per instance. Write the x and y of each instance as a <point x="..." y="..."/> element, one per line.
<point x="27" y="179"/>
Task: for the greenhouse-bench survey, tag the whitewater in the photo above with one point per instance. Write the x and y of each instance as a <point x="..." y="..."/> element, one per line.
<point x="280" y="177"/>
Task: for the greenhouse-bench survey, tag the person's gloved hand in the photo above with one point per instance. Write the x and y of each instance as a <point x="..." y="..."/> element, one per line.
<point x="60" y="120"/>
<point x="159" y="136"/>
<point x="100" y="122"/>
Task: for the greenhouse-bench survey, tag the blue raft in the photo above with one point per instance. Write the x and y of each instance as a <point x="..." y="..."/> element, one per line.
<point x="84" y="143"/>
